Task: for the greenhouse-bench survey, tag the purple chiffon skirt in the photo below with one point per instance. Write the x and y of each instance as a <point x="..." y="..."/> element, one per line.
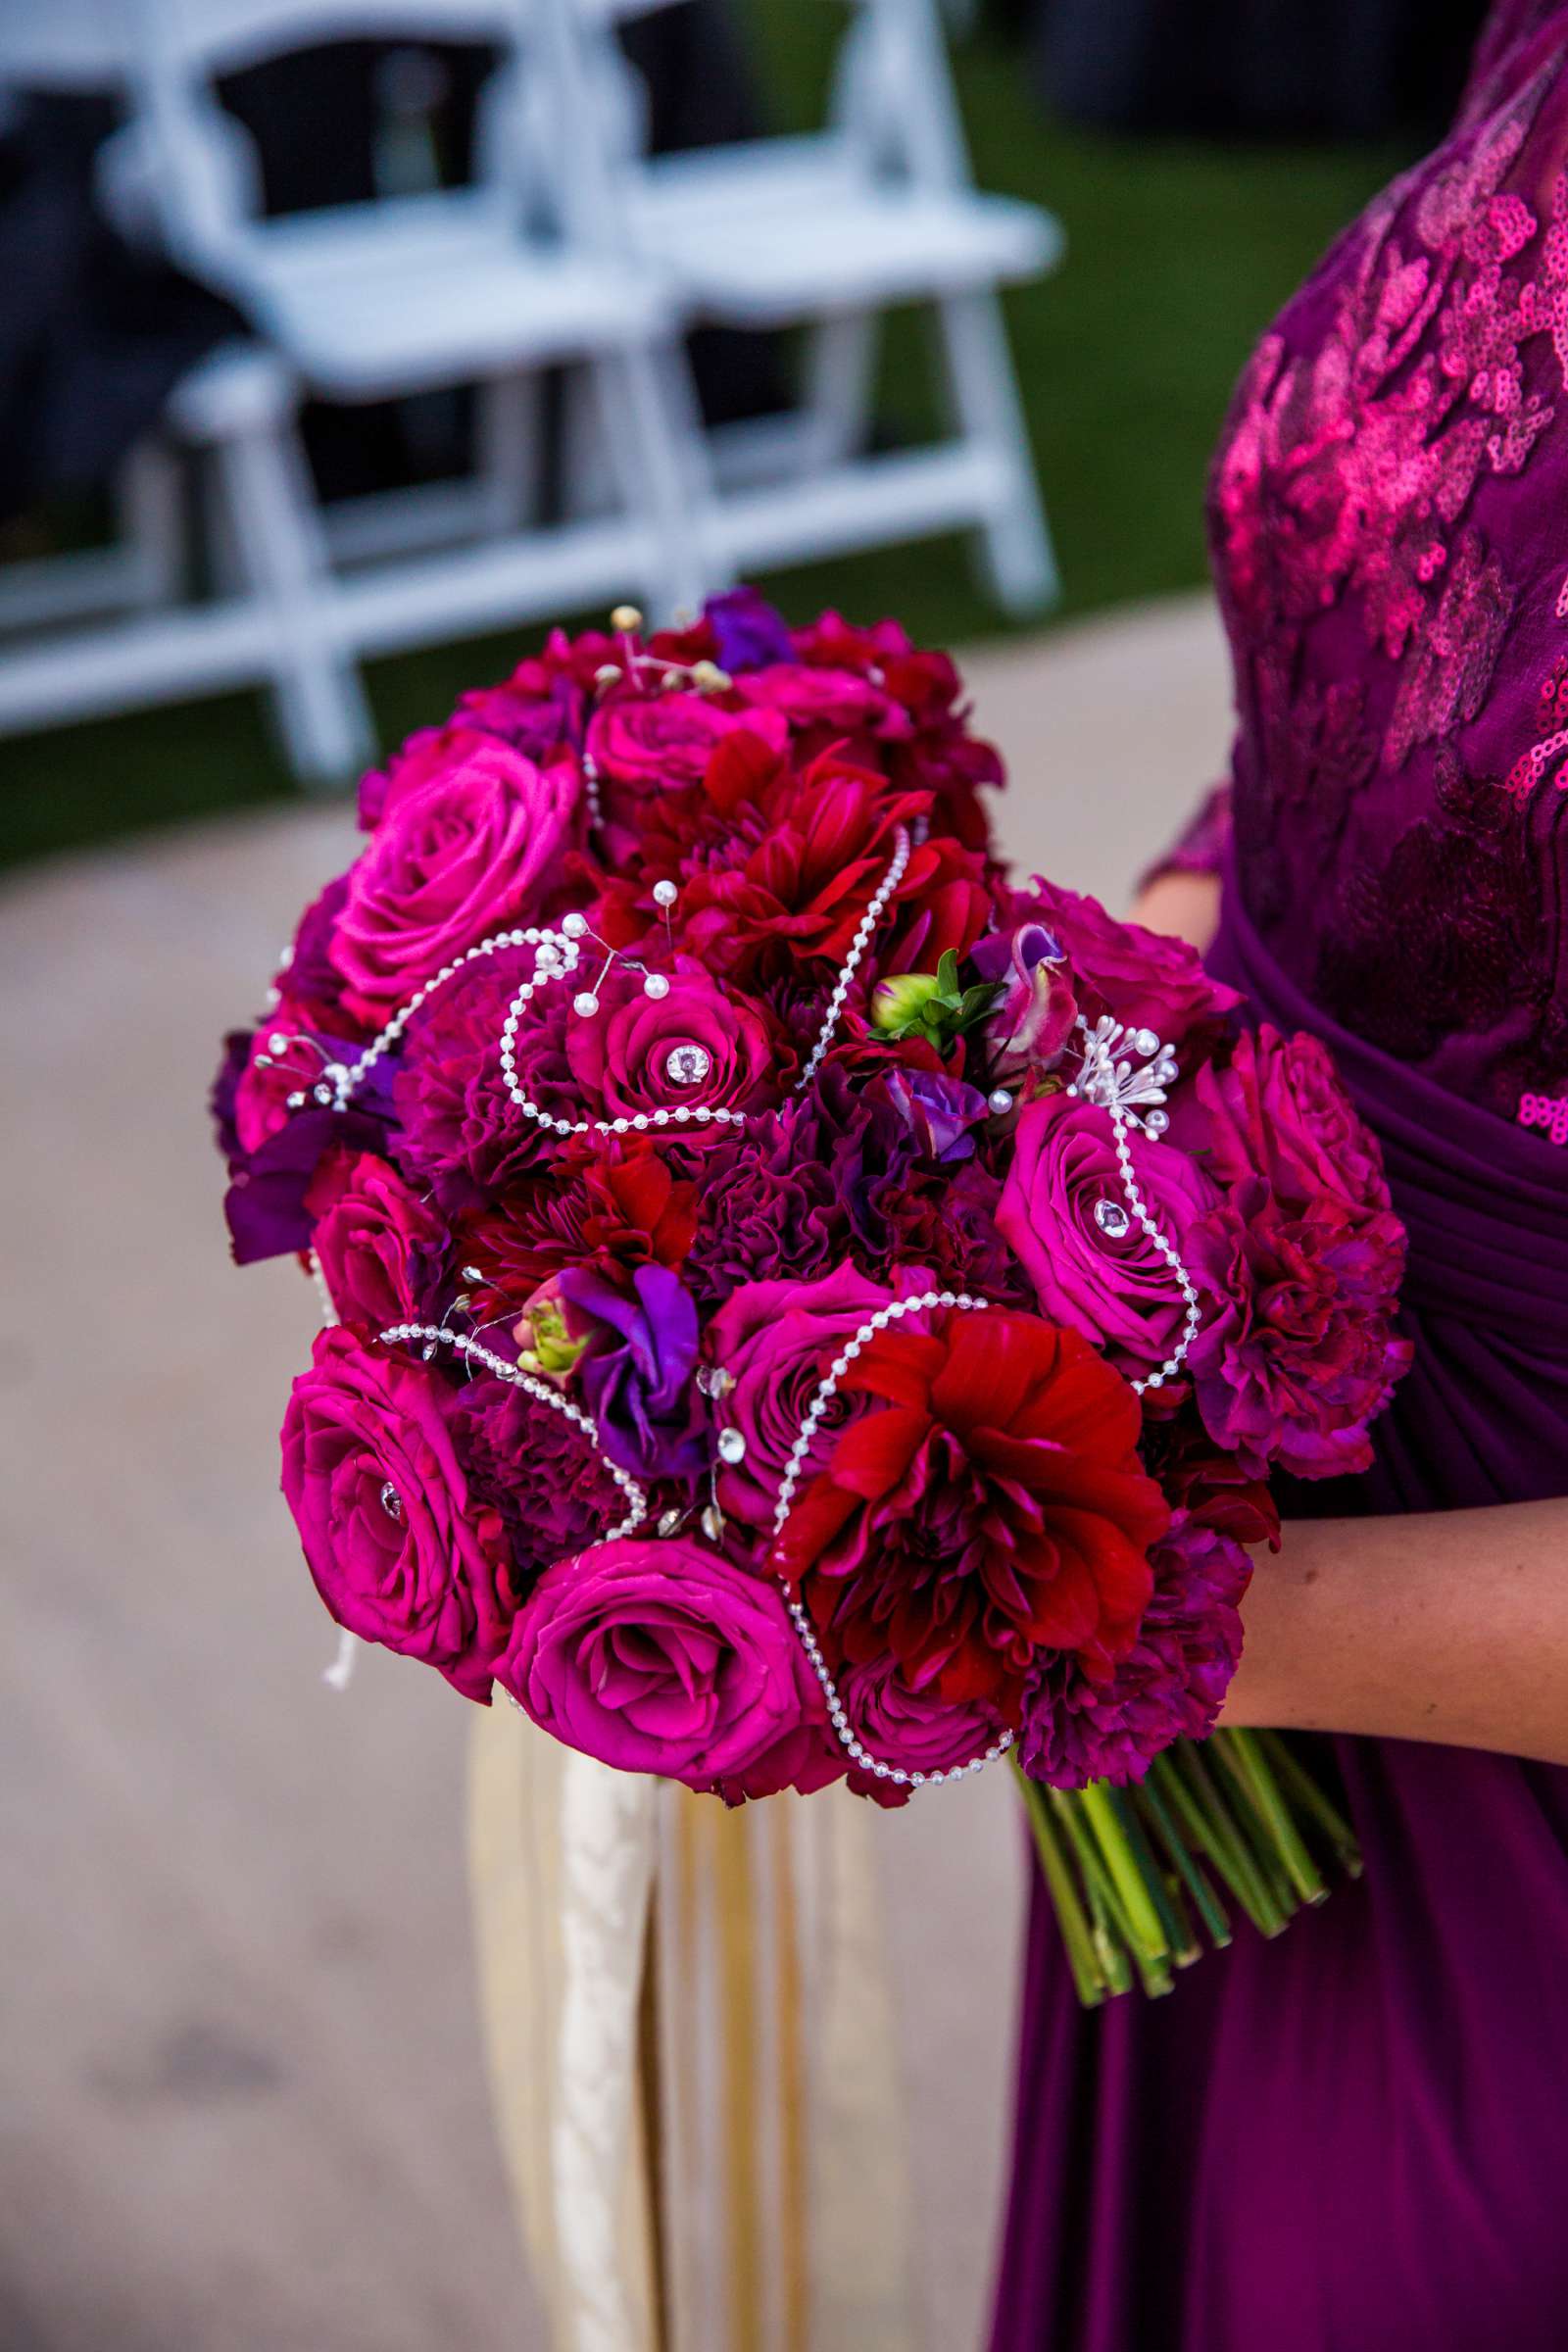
<point x="1354" y="2138"/>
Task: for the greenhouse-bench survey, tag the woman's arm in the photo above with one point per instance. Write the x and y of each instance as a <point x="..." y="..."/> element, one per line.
<point x="1438" y="1625"/>
<point x="1434" y="1625"/>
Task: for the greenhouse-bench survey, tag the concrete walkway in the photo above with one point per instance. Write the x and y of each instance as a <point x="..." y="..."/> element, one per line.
<point x="244" y="2109"/>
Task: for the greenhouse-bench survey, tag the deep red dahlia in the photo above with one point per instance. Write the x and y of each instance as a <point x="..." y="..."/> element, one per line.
<point x="996" y="1505"/>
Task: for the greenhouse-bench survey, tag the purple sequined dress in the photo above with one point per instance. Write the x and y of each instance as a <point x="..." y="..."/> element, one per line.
<point x="1355" y="2138"/>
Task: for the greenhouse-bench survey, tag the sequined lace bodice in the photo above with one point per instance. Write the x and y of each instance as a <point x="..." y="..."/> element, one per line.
<point x="1389" y="512"/>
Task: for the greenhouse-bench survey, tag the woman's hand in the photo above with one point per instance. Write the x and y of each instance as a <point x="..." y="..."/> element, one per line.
<point x="1450" y="1626"/>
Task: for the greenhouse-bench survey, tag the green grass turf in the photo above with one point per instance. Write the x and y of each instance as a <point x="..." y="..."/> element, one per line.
<point x="1178" y="253"/>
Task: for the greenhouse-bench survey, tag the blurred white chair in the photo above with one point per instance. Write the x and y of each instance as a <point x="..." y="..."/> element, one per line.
<point x="491" y="284"/>
<point x="103" y="630"/>
<point x="833" y="229"/>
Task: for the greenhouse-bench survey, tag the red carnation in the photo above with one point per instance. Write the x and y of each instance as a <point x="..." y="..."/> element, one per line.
<point x="996" y="1505"/>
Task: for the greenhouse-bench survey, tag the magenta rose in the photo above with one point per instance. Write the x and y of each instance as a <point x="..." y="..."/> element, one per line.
<point x="1065" y="1215"/>
<point x="700" y="1044"/>
<point x="659" y="742"/>
<point x="1146" y="980"/>
<point x="1304" y="1258"/>
<point x="663" y="1658"/>
<point x="1081" y="1724"/>
<point x="466" y="851"/>
<point x="835" y="699"/>
<point x="400" y="1552"/>
<point x="776" y="1340"/>
<point x="913" y="1728"/>
<point x="382" y="1250"/>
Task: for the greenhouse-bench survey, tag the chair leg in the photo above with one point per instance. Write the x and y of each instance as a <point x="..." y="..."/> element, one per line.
<point x="1016" y="559"/>
<point x="838" y="390"/>
<point x="508" y="433"/>
<point x="650" y="423"/>
<point x="322" y="714"/>
<point x="152" y="525"/>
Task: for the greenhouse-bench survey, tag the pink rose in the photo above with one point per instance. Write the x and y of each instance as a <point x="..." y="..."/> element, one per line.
<point x="913" y="1728"/>
<point x="776" y="1340"/>
<point x="663" y="1658"/>
<point x="699" y="1043"/>
<point x="1065" y="1215"/>
<point x="1144" y="979"/>
<point x="833" y="699"/>
<point x="399" y="1550"/>
<point x="382" y="1250"/>
<point x="659" y="742"/>
<point x="466" y="851"/>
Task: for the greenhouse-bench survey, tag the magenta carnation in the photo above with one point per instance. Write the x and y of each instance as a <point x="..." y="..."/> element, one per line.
<point x="1084" y="1723"/>
<point x="1301" y="1258"/>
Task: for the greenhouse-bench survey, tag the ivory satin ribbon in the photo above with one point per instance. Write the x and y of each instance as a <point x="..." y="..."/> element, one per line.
<point x="691" y="2053"/>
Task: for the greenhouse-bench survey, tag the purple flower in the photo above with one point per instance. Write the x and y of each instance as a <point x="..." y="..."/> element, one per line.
<point x="638" y="1370"/>
<point x="265" y="1204"/>
<point x="663" y="1658"/>
<point x="747" y="631"/>
<point x="1079" y="1726"/>
<point x="938" y="1111"/>
<point x="1033" y="1016"/>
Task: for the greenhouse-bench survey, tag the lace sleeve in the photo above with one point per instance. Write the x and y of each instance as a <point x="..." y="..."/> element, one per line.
<point x="1200" y="847"/>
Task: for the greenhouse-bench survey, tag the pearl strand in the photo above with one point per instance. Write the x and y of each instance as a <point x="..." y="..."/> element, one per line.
<point x="436" y="1335"/>
<point x="806" y="1632"/>
<point x="338" y="1080"/>
<point x="1167" y="1250"/>
<point x="857" y="946"/>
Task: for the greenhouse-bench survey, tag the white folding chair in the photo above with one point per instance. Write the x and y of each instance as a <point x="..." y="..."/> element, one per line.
<point x="105" y="628"/>
<point x="834" y="229"/>
<point x="490" y="284"/>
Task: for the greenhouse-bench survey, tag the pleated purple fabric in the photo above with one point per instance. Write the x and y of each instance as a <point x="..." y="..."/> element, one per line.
<point x="1353" y="2138"/>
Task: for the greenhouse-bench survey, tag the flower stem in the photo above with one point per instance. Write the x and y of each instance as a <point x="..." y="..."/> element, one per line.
<point x="1299" y="1784"/>
<point x="1113" y="1936"/>
<point x="1144" y="1926"/>
<point x="1164" y="1890"/>
<point x="1190" y="1871"/>
<point x="1208" y="1819"/>
<point x="1303" y="1872"/>
<point x="1087" y="1974"/>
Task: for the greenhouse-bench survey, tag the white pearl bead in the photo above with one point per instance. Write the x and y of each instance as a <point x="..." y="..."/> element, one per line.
<point x="665" y="894"/>
<point x="585" y="1002"/>
<point x="1000" y="1101"/>
<point x="656" y="985"/>
<point x="574" y="925"/>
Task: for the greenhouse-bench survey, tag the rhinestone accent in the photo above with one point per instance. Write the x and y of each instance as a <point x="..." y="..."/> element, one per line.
<point x="1112" y="1219"/>
<point x="687" y="1065"/>
<point x="392" y="1502"/>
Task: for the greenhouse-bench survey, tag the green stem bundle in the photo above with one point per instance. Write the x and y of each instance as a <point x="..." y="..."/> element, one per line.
<point x="1139" y="1876"/>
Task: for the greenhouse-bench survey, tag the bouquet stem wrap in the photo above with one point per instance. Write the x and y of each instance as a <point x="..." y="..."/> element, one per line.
<point x="691" y="2056"/>
<point x="1143" y="1879"/>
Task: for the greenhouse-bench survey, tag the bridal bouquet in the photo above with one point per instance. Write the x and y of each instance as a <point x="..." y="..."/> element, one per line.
<point x="797" y="1304"/>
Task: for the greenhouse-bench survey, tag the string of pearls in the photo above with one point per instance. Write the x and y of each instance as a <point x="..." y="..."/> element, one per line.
<point x="437" y="1335"/>
<point x="806" y="1632"/>
<point x="862" y="941"/>
<point x="338" y="1080"/>
<point x="1167" y="1250"/>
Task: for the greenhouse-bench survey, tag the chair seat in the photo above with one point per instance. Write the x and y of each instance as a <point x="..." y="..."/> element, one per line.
<point x="398" y="297"/>
<point x="764" y="239"/>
